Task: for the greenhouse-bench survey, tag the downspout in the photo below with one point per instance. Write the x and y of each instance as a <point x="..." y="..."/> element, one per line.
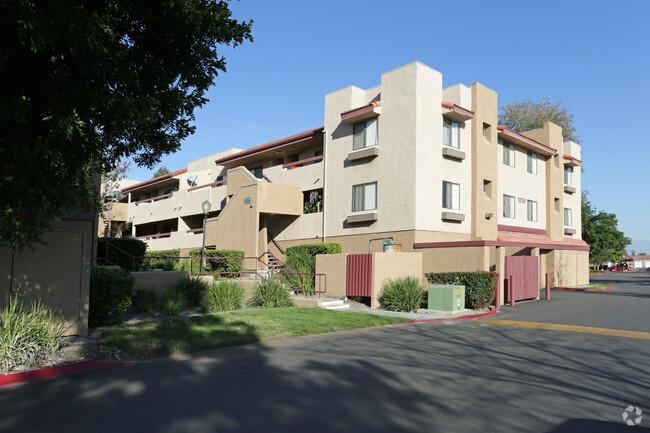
<point x="324" y="184"/>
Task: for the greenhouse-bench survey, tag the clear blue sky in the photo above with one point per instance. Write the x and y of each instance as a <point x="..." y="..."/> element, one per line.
<point x="593" y="56"/>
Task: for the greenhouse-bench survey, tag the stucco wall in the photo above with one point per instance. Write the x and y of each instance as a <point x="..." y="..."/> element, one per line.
<point x="334" y="266"/>
<point x="456" y="259"/>
<point x="387" y="266"/>
<point x="523" y="186"/>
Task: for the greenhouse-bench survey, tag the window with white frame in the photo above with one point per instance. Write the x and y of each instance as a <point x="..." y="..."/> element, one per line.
<point x="451" y="133"/>
<point x="532" y="210"/>
<point x="364" y="197"/>
<point x="568" y="217"/>
<point x="509" y="154"/>
<point x="450" y="195"/>
<point x="508" y="206"/>
<point x="532" y="162"/>
<point x="365" y="134"/>
<point x="568" y="175"/>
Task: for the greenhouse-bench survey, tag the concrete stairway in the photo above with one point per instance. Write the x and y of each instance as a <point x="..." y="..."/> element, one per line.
<point x="334" y="305"/>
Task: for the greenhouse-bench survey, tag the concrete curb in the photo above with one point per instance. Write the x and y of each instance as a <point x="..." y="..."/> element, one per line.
<point x="575" y="289"/>
<point x="58" y="370"/>
<point x="492" y="312"/>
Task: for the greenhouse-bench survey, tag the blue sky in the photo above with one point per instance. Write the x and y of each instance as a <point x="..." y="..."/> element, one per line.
<point x="593" y="56"/>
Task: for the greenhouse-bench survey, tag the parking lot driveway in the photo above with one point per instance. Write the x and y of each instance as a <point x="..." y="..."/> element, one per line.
<point x="625" y="307"/>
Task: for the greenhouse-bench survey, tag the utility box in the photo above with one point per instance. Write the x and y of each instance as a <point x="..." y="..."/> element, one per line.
<point x="446" y="298"/>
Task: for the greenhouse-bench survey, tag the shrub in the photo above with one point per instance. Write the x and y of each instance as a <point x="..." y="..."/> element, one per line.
<point x="163" y="260"/>
<point x="110" y="294"/>
<point x="300" y="263"/>
<point x="144" y="299"/>
<point x="402" y="294"/>
<point x="315" y="249"/>
<point x="130" y="247"/>
<point x="193" y="266"/>
<point x="27" y="334"/>
<point x="479" y="285"/>
<point x="302" y="259"/>
<point x="223" y="295"/>
<point x="271" y="293"/>
<point x="191" y="287"/>
<point x="174" y="302"/>
<point x="218" y="265"/>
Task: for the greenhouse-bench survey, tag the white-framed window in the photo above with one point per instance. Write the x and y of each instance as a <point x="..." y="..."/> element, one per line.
<point x="568" y="175"/>
<point x="532" y="162"/>
<point x="365" y="134"/>
<point x="509" y="154"/>
<point x="450" y="195"/>
<point x="568" y="217"/>
<point x="451" y="133"/>
<point x="364" y="196"/>
<point x="532" y="210"/>
<point x="508" y="206"/>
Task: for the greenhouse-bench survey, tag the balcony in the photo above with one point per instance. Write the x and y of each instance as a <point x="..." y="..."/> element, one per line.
<point x="306" y="173"/>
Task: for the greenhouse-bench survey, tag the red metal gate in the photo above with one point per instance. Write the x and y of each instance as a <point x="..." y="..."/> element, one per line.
<point x="358" y="277"/>
<point x="523" y="272"/>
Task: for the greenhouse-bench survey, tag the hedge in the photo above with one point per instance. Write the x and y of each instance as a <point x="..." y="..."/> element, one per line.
<point x="302" y="259"/>
<point x="164" y="260"/>
<point x="314" y="249"/>
<point x="110" y="294"/>
<point x="221" y="265"/>
<point x="134" y="247"/>
<point x="479" y="286"/>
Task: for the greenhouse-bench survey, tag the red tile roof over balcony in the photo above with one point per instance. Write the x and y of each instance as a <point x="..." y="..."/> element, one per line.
<point x="521" y="140"/>
<point x="273" y="145"/>
<point x="372" y="104"/>
<point x="153" y="181"/>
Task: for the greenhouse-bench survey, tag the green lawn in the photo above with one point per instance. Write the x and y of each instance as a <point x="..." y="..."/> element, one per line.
<point x="192" y="334"/>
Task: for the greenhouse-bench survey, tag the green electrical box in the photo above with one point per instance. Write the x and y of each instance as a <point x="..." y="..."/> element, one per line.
<point x="446" y="298"/>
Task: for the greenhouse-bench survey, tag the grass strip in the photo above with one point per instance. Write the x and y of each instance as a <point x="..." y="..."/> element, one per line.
<point x="211" y="331"/>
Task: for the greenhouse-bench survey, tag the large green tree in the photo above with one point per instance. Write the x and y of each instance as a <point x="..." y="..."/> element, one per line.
<point x="85" y="84"/>
<point x="525" y="115"/>
<point x="600" y="231"/>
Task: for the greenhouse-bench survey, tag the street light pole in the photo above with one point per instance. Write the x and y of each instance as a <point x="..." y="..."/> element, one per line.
<point x="206" y="210"/>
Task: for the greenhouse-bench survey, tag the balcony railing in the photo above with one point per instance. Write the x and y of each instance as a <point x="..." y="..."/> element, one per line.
<point x="160" y="197"/>
<point x="302" y="162"/>
<point x="155" y="236"/>
<point x="218" y="183"/>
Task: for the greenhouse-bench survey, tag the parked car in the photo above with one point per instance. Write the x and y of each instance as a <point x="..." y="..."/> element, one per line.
<point x="620" y="268"/>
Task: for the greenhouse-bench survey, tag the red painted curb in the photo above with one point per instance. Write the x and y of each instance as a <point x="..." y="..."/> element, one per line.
<point x="574" y="289"/>
<point x="492" y="312"/>
<point x="59" y="370"/>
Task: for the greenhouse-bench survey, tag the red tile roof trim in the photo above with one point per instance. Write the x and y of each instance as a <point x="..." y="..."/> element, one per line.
<point x="153" y="181"/>
<point x="458" y="109"/>
<point x="293" y="139"/>
<point x="536" y="144"/>
<point x="372" y="105"/>
<point x="572" y="160"/>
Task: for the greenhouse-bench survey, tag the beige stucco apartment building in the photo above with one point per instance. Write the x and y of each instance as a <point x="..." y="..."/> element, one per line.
<point x="409" y="160"/>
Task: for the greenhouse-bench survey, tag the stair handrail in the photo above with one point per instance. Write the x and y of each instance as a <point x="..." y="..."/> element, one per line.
<point x="277" y="245"/>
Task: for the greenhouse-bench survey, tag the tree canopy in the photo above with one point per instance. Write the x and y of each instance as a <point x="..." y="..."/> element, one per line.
<point x="161" y="171"/>
<point x="525" y="115"/>
<point x="600" y="231"/>
<point x="85" y="84"/>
